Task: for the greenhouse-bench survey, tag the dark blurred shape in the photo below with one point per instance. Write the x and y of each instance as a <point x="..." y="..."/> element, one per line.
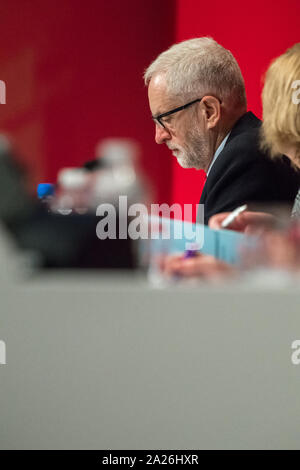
<point x="16" y="206"/>
<point x="61" y="241"/>
<point x="71" y="242"/>
<point x="96" y="164"/>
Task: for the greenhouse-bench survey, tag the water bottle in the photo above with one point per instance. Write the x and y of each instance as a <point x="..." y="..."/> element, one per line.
<point x="45" y="193"/>
<point x="119" y="174"/>
<point x="73" y="194"/>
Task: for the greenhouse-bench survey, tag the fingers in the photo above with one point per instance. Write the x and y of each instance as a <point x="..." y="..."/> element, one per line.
<point x="256" y="219"/>
<point x="247" y="221"/>
<point x="215" y="222"/>
<point x="172" y="264"/>
<point x="279" y="251"/>
<point x="204" y="266"/>
<point x="238" y="224"/>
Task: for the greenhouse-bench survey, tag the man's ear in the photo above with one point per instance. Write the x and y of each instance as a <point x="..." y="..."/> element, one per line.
<point x="212" y="111"/>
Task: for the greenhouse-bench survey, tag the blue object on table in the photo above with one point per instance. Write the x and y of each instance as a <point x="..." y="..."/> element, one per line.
<point x="45" y="189"/>
<point x="223" y="244"/>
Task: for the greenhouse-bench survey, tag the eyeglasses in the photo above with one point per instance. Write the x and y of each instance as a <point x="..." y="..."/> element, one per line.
<point x="159" y="117"/>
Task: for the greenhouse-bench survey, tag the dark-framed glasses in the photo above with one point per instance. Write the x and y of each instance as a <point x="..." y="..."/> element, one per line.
<point x="159" y="117"/>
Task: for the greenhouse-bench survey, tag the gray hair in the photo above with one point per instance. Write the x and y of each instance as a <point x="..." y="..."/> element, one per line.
<point x="200" y="66"/>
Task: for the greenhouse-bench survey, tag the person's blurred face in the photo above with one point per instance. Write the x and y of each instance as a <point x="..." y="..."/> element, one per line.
<point x="183" y="132"/>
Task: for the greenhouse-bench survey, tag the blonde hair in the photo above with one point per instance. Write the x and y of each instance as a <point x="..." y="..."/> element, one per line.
<point x="281" y="107"/>
<point x="200" y="66"/>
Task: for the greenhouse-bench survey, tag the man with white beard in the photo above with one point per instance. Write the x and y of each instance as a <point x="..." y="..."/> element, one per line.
<point x="198" y="103"/>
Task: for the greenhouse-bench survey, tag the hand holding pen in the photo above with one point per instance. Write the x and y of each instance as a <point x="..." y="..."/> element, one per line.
<point x="242" y="221"/>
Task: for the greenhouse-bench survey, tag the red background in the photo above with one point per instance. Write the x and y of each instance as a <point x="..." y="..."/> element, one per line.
<point x="73" y="72"/>
<point x="255" y="32"/>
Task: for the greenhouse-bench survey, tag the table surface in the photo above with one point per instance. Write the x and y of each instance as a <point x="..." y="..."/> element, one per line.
<point x="104" y="361"/>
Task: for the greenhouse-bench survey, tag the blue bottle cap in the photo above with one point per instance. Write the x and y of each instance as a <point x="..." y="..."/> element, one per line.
<point x="45" y="189"/>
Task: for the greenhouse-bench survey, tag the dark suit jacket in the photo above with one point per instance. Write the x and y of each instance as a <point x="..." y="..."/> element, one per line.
<point x="243" y="174"/>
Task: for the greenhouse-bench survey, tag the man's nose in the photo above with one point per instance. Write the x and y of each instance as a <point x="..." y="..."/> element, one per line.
<point x="161" y="134"/>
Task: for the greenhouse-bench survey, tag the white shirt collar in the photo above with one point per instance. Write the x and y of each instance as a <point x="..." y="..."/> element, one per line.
<point x="217" y="153"/>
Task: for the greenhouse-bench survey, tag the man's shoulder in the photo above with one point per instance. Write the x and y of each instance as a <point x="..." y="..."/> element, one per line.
<point x="240" y="151"/>
<point x="242" y="155"/>
<point x="244" y="174"/>
<point x="244" y="138"/>
<point x="246" y="123"/>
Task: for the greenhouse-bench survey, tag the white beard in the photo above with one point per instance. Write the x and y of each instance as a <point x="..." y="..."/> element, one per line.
<point x="195" y="153"/>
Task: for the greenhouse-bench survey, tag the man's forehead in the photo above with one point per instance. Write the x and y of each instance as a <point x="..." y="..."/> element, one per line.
<point x="158" y="80"/>
<point x="159" y="98"/>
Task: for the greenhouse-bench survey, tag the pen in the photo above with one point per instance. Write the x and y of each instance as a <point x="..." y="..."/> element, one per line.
<point x="233" y="215"/>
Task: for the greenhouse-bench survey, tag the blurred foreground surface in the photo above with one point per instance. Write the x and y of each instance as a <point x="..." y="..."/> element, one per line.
<point x="100" y="360"/>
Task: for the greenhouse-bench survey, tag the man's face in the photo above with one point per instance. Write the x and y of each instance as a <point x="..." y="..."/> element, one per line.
<point x="184" y="132"/>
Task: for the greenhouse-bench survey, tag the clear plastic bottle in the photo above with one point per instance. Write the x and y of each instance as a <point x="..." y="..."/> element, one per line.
<point x="74" y="191"/>
<point x="120" y="174"/>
